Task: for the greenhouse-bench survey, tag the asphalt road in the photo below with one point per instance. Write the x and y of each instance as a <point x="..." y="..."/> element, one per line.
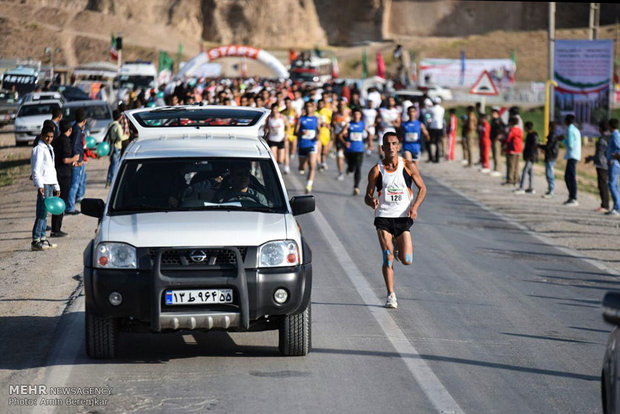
<point x="490" y="320"/>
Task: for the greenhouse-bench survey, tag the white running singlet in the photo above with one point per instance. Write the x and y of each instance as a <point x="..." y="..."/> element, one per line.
<point x="395" y="193"/>
<point x="276" y="129"/>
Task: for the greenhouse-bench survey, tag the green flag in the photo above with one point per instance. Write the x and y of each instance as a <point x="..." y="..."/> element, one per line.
<point x="165" y="61"/>
<point x="364" y="64"/>
<point x="513" y="56"/>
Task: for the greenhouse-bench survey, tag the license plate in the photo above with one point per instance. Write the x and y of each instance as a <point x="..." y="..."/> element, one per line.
<point x="199" y="296"/>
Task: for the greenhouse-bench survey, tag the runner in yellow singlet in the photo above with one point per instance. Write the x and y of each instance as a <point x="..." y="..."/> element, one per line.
<point x="325" y="116"/>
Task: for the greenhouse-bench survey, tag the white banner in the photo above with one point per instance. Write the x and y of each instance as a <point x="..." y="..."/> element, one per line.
<point x="583" y="71"/>
<point x="449" y="72"/>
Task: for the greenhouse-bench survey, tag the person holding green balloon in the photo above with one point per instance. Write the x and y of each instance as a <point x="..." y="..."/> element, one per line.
<point x="79" y="167"/>
<point x="43" y="170"/>
<point x="113" y="138"/>
<point x="64" y="169"/>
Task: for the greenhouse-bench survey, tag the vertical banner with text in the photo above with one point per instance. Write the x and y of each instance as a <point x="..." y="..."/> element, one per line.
<point x="583" y="71"/>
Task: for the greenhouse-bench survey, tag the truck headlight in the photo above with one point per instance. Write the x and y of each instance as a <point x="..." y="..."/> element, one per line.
<point x="278" y="254"/>
<point x="115" y="256"/>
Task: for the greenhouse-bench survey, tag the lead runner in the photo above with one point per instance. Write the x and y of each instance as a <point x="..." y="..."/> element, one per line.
<point x="395" y="209"/>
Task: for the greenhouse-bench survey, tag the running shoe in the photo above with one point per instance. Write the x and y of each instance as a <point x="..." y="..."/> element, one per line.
<point x="571" y="203"/>
<point x="519" y="191"/>
<point x="612" y="213"/>
<point x="530" y="191"/>
<point x="302" y="172"/>
<point x="325" y="167"/>
<point x="308" y="189"/>
<point x="391" y="302"/>
<point x="485" y="170"/>
<point x="496" y="174"/>
<point x="548" y="194"/>
<point x="356" y="191"/>
<point x="37" y="246"/>
<point x="49" y="244"/>
<point x="340" y="177"/>
<point x="286" y="169"/>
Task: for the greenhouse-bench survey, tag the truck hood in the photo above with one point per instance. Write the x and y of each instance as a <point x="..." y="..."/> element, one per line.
<point x="195" y="228"/>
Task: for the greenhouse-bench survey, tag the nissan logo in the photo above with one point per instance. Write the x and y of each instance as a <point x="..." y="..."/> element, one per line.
<point x="198" y="256"/>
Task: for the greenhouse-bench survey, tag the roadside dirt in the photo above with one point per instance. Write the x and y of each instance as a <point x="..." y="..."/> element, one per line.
<point x="35" y="287"/>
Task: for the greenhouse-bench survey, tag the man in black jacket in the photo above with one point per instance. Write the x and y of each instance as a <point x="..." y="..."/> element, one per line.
<point x="600" y="162"/>
<point x="64" y="168"/>
<point x="551" y="149"/>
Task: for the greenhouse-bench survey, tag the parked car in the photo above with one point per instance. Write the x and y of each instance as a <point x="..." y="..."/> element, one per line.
<point x="30" y="117"/>
<point x="440" y="92"/>
<point x="198" y="233"/>
<point x="42" y="96"/>
<point x="8" y="107"/>
<point x="71" y="93"/>
<point x="610" y="386"/>
<point x="98" y="116"/>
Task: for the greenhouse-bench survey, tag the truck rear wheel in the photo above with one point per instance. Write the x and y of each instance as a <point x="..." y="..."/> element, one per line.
<point x="296" y="334"/>
<point x="101" y="336"/>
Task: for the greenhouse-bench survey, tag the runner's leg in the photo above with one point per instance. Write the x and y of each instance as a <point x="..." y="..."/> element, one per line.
<point x="387" y="249"/>
<point x="405" y="248"/>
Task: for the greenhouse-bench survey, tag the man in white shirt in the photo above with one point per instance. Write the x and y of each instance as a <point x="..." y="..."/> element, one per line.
<point x="46" y="182"/>
<point x="436" y="124"/>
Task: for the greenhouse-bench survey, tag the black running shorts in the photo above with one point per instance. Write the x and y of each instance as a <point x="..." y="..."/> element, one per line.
<point x="277" y="144"/>
<point x="394" y="226"/>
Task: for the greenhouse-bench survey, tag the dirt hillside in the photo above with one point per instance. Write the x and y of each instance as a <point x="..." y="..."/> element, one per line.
<point x="81" y="29"/>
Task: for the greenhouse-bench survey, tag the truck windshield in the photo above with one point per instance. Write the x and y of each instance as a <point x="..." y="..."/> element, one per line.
<point x="183" y="184"/>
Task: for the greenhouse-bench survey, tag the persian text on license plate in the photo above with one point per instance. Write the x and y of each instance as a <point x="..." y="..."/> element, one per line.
<point x="199" y="296"/>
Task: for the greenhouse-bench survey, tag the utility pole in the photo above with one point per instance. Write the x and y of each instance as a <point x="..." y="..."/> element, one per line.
<point x="551" y="50"/>
<point x="50" y="51"/>
<point x="595" y="12"/>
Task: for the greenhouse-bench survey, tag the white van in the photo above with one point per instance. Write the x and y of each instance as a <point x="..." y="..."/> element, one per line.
<point x="198" y="232"/>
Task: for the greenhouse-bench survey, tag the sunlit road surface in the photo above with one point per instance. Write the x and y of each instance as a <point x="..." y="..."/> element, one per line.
<point x="490" y="320"/>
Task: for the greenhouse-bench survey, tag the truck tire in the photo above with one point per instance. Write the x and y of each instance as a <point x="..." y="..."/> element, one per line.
<point x="101" y="336"/>
<point x="296" y="334"/>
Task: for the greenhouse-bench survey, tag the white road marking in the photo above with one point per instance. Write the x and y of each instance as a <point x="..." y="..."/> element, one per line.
<point x="432" y="387"/>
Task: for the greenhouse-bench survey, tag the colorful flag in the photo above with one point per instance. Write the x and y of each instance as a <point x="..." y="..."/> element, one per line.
<point x="113" y="51"/>
<point x="513" y="56"/>
<point x="364" y="64"/>
<point x="380" y="65"/>
<point x="335" y="67"/>
<point x="165" y="61"/>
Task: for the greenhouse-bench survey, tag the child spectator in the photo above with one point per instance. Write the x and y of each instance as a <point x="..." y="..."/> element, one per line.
<point x="530" y="156"/>
<point x="485" y="143"/>
<point x="46" y="182"/>
<point x="613" y="158"/>
<point x="552" y="149"/>
<point x="514" y="146"/>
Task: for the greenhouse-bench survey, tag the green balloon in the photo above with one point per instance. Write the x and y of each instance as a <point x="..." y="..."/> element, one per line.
<point x="103" y="149"/>
<point x="91" y="142"/>
<point x="55" y="205"/>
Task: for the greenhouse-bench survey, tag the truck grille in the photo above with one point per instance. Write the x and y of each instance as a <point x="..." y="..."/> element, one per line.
<point x="191" y="257"/>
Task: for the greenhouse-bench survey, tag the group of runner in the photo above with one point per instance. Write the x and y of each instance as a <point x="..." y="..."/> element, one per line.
<point x="312" y="123"/>
<point x="350" y="130"/>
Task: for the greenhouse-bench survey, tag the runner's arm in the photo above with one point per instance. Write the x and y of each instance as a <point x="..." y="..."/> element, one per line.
<point x="370" y="199"/>
<point x="417" y="180"/>
<point x="427" y="136"/>
<point x="343" y="134"/>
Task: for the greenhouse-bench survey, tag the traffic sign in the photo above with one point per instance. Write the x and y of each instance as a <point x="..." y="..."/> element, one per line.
<point x="484" y="85"/>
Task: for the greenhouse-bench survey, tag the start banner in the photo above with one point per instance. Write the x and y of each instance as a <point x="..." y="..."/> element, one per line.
<point x="583" y="70"/>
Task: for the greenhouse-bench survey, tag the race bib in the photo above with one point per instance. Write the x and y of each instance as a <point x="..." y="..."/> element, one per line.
<point x="308" y="134"/>
<point x="411" y="137"/>
<point x="394" y="194"/>
<point x="356" y="136"/>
